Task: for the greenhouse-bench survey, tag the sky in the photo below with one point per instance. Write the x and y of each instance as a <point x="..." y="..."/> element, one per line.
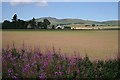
<point x="60" y="0"/>
<point x="97" y="11"/>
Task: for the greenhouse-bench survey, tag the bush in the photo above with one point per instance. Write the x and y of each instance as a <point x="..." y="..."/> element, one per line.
<point x="20" y="63"/>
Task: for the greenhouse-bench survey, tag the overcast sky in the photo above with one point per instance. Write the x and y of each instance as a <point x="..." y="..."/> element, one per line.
<point x="98" y="11"/>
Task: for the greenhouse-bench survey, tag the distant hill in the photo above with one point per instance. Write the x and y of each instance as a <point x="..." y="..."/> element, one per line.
<point x="56" y="21"/>
<point x="112" y="22"/>
<point x="67" y="21"/>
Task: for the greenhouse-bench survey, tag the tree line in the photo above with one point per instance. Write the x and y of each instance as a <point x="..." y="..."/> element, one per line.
<point x="21" y="24"/>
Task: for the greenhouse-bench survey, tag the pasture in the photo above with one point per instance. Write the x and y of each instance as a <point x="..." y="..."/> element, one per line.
<point x="97" y="44"/>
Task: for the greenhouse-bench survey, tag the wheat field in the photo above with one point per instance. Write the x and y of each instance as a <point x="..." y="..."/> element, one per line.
<point x="97" y="44"/>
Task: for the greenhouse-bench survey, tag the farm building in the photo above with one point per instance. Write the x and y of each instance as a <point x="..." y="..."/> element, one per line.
<point x="60" y="27"/>
<point x="85" y="26"/>
<point x="81" y="26"/>
<point x="29" y="26"/>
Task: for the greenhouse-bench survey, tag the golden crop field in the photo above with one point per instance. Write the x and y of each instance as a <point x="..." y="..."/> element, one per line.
<point x="97" y="44"/>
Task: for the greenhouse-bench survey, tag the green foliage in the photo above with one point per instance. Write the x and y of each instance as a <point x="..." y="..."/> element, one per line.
<point x="44" y="24"/>
<point x="15" y="24"/>
<point x="32" y="23"/>
<point x="36" y="65"/>
<point x="93" y="25"/>
<point x="14" y="18"/>
<point x="6" y="24"/>
<point x="46" y="21"/>
<point x="40" y="25"/>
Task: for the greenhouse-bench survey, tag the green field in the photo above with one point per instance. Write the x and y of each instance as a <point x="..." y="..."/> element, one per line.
<point x="98" y="44"/>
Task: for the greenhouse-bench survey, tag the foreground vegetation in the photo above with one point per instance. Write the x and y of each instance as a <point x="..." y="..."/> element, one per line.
<point x="24" y="63"/>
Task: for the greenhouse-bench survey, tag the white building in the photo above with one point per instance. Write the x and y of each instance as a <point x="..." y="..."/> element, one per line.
<point x="59" y="27"/>
<point x="29" y="26"/>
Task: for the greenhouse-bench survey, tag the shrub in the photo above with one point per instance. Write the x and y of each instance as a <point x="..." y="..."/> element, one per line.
<point x="20" y="63"/>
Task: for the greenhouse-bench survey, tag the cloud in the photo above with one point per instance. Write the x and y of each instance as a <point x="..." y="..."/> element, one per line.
<point x="36" y="2"/>
<point x="24" y="1"/>
<point x="18" y="1"/>
<point x="83" y="0"/>
<point x="42" y="3"/>
<point x="61" y="0"/>
<point x="0" y="0"/>
<point x="15" y="3"/>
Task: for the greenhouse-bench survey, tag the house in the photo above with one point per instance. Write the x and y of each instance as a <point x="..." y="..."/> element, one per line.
<point x="29" y="26"/>
<point x="50" y="27"/>
<point x="59" y="27"/>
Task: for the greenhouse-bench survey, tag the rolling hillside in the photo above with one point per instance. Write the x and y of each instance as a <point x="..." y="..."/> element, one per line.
<point x="67" y="21"/>
<point x="56" y="21"/>
<point x="112" y="22"/>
